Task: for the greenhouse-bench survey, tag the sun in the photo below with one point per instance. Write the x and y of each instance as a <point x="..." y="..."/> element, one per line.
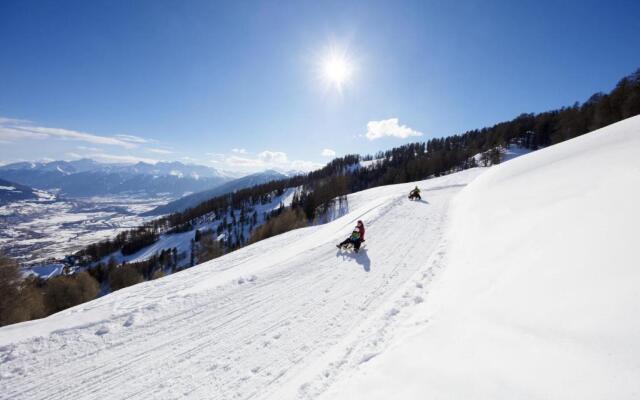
<point x="337" y="70"/>
<point x="335" y="67"/>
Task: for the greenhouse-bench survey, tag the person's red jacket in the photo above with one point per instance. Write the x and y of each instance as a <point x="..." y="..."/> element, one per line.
<point x="361" y="230"/>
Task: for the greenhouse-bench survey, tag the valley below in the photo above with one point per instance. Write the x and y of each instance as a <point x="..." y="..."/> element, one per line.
<point x="34" y="231"/>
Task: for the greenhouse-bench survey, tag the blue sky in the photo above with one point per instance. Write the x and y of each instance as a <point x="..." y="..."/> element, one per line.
<point x="238" y="84"/>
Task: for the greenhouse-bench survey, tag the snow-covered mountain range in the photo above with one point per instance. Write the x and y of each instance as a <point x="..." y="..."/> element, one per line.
<point x="85" y="177"/>
<point x="515" y="281"/>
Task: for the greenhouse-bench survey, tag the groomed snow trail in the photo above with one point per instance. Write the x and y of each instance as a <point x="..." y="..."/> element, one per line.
<point x="539" y="299"/>
<point x="278" y="319"/>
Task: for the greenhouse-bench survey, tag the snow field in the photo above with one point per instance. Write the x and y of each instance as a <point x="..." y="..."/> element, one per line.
<point x="535" y="298"/>
<point x="540" y="296"/>
<point x="283" y="318"/>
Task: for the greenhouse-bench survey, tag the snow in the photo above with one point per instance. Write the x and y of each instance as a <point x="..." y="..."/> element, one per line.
<point x="512" y="151"/>
<point x="248" y="324"/>
<point x="508" y="152"/>
<point x="45" y="271"/>
<point x="182" y="241"/>
<point x="371" y="163"/>
<point x="36" y="230"/>
<point x="540" y="295"/>
<point x="9" y="188"/>
<point x="517" y="281"/>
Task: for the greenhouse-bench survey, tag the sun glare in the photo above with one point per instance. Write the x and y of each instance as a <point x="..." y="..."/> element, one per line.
<point x="337" y="70"/>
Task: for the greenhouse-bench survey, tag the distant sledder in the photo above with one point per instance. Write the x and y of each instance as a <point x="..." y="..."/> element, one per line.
<point x="355" y="240"/>
<point x="415" y="194"/>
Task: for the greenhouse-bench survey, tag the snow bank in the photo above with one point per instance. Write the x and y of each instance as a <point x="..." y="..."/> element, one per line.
<point x="540" y="296"/>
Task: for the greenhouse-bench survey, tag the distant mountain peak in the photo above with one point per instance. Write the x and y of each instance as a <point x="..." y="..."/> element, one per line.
<point x="163" y="168"/>
<point x="87" y="177"/>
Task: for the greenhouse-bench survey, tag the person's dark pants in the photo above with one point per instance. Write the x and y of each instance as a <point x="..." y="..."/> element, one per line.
<point x="355" y="242"/>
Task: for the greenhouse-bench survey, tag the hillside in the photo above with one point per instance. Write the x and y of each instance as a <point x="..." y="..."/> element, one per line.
<point x="194" y="199"/>
<point x="317" y="191"/>
<point x="522" y="284"/>
<point x="242" y="324"/>
<point x="540" y="295"/>
<point x="10" y="192"/>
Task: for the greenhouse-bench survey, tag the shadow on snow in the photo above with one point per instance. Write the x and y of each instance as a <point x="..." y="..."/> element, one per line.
<point x="361" y="257"/>
<point x="420" y="201"/>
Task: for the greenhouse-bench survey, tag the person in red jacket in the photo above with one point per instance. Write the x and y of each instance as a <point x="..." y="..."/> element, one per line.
<point x="360" y="227"/>
<point x="356" y="238"/>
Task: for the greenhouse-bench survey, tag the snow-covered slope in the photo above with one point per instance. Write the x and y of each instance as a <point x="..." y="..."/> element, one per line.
<point x="526" y="287"/>
<point x="182" y="241"/>
<point x="540" y="298"/>
<point x="250" y="324"/>
<point x="12" y="192"/>
<point x="194" y="199"/>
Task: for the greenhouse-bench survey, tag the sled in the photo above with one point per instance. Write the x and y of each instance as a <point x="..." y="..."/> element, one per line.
<point x="349" y="246"/>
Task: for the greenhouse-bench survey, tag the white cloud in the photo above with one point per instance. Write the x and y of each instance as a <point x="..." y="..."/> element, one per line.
<point x="239" y="151"/>
<point x="328" y="153"/>
<point x="245" y="162"/>
<point x="160" y="151"/>
<point x="73" y="155"/>
<point x="273" y="156"/>
<point x="216" y="158"/>
<point x="268" y="159"/>
<point x="389" y="127"/>
<point x="10" y="134"/>
<point x="67" y="134"/>
<point x="215" y="155"/>
<point x="85" y="148"/>
<point x="133" y="139"/>
<point x="306" y="166"/>
<point x="13" y="129"/>
<point x="5" y="120"/>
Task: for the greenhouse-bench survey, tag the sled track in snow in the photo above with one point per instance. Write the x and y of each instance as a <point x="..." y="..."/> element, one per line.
<point x="279" y="319"/>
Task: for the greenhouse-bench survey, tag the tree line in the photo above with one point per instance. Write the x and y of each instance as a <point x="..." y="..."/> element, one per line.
<point x="24" y="299"/>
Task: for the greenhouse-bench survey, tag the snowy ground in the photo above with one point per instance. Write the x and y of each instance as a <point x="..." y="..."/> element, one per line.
<point x="249" y="324"/>
<point x="540" y="296"/>
<point x="33" y="231"/>
<point x="521" y="285"/>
